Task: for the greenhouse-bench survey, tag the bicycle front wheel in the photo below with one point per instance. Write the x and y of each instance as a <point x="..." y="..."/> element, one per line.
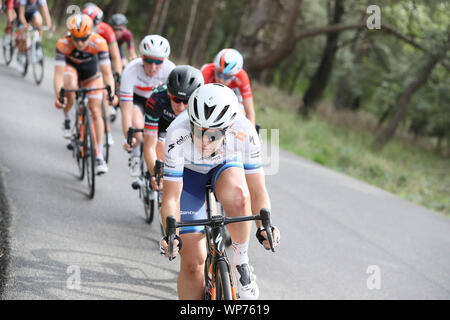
<point x="8" y="48"/>
<point x="37" y="62"/>
<point x="223" y="282"/>
<point x="106" y="139"/>
<point x="89" y="154"/>
<point x="78" y="145"/>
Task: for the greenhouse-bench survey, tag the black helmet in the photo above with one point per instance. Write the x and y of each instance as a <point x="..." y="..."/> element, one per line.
<point x="183" y="80"/>
<point x="118" y="19"/>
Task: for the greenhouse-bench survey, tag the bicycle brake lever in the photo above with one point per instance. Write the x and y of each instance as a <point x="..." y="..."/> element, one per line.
<point x="265" y="219"/>
<point x="170" y="232"/>
<point x="61" y="96"/>
<point x="130" y="136"/>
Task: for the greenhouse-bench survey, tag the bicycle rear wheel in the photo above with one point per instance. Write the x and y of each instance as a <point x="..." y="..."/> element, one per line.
<point x="37" y="61"/>
<point x="8" y="49"/>
<point x="89" y="154"/>
<point x="27" y="62"/>
<point x="223" y="283"/>
<point x="106" y="142"/>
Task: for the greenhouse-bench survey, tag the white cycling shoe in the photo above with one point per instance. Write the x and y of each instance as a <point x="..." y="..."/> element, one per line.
<point x="247" y="288"/>
<point x="135" y="166"/>
<point x="101" y="167"/>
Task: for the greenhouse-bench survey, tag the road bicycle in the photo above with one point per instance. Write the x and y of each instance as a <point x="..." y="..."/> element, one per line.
<point x="151" y="199"/>
<point x="219" y="284"/>
<point x="34" y="54"/>
<point x="83" y="140"/>
<point x="8" y="45"/>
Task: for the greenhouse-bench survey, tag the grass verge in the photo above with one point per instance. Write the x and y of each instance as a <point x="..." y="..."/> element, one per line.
<point x="407" y="170"/>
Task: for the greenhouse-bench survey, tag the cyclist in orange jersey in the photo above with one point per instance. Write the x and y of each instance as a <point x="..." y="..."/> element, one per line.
<point x="82" y="58"/>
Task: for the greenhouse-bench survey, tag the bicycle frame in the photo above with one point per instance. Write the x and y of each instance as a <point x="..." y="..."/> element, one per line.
<point x="214" y="230"/>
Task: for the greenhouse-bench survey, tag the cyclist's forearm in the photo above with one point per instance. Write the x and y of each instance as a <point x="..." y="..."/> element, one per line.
<point x="258" y="193"/>
<point x="115" y="57"/>
<point x="127" y="114"/>
<point x="150" y="152"/>
<point x="58" y="81"/>
<point x="107" y="75"/>
<point x="249" y="109"/>
<point x="169" y="207"/>
<point x="22" y="15"/>
<point x="47" y="17"/>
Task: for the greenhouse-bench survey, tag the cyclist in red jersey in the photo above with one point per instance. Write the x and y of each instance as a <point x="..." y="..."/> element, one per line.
<point x="123" y="35"/>
<point x="11" y="15"/>
<point x="227" y="70"/>
<point x="107" y="32"/>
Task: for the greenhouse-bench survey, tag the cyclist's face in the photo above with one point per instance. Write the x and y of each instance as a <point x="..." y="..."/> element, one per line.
<point x="118" y="31"/>
<point x="151" y="69"/>
<point x="80" y="43"/>
<point x="207" y="141"/>
<point x="178" y="105"/>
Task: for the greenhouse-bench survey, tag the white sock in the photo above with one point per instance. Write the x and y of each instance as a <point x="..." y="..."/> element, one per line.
<point x="67" y="115"/>
<point x="240" y="253"/>
<point x="100" y="151"/>
<point x="136" y="152"/>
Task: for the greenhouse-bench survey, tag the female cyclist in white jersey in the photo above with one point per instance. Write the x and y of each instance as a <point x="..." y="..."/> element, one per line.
<point x="139" y="79"/>
<point x="213" y="141"/>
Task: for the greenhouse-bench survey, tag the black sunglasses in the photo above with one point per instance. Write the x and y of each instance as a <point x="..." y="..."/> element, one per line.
<point x="83" y="39"/>
<point x="211" y="134"/>
<point x="178" y="100"/>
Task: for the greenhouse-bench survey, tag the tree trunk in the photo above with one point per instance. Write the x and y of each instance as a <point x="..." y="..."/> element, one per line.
<point x="403" y="100"/>
<point x="322" y="75"/>
<point x="154" y="17"/>
<point x="190" y="25"/>
<point x="59" y="11"/>
<point x="272" y="57"/>
<point x="163" y="18"/>
<point x="246" y="40"/>
<point x="200" y="49"/>
<point x="294" y="80"/>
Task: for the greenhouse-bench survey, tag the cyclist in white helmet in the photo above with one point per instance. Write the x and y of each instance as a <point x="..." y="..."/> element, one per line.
<point x="213" y="141"/>
<point x="139" y="79"/>
<point x="227" y="69"/>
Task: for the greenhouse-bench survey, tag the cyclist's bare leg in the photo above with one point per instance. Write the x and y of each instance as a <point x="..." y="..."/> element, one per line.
<point x="232" y="192"/>
<point x="191" y="280"/>
<point x="11" y="13"/>
<point x="36" y="21"/>
<point x="95" y="105"/>
<point x="70" y="83"/>
<point x="138" y="122"/>
<point x="160" y="150"/>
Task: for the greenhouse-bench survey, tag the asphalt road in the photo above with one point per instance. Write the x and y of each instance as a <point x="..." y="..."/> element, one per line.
<point x="341" y="238"/>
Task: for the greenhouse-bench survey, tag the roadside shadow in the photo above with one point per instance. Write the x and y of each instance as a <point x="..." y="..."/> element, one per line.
<point x="101" y="276"/>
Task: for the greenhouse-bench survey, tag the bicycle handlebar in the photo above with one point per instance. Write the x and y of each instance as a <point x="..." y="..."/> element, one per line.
<point x="63" y="91"/>
<point x="217" y="221"/>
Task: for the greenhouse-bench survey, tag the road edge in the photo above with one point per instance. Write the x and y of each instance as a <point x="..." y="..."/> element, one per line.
<point x="4" y="235"/>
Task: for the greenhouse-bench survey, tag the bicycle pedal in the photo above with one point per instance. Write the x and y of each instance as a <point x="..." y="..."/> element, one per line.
<point x="70" y="146"/>
<point x="135" y="185"/>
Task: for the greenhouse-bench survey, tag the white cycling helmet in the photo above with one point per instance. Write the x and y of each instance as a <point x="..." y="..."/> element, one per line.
<point x="228" y="62"/>
<point x="213" y="105"/>
<point x="155" y="46"/>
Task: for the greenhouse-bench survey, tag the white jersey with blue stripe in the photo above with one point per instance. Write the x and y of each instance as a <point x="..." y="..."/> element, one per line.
<point x="134" y="81"/>
<point x="241" y="145"/>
